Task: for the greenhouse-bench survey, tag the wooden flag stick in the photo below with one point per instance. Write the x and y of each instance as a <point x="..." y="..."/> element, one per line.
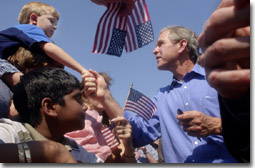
<point x="131" y="86"/>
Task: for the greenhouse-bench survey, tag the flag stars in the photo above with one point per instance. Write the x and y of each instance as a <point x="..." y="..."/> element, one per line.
<point x="144" y="33"/>
<point x="117" y="42"/>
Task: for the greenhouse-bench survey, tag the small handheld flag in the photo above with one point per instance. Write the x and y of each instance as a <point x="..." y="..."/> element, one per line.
<point x="140" y="104"/>
<point x="110" y="139"/>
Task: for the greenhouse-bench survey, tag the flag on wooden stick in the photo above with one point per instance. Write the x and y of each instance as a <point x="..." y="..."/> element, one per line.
<point x="110" y="139"/>
<point x="140" y="104"/>
<point x="115" y="31"/>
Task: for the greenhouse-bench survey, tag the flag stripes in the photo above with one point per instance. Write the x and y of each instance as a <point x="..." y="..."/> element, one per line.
<point x="140" y="104"/>
<point x="110" y="139"/>
<point x="135" y="29"/>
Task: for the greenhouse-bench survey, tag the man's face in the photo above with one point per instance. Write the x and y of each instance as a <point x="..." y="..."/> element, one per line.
<point x="166" y="52"/>
<point x="71" y="116"/>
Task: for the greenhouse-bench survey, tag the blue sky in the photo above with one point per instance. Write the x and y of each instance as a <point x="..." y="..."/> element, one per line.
<point x="76" y="32"/>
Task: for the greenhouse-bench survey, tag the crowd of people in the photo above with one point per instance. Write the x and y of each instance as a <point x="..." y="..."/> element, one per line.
<point x="48" y="115"/>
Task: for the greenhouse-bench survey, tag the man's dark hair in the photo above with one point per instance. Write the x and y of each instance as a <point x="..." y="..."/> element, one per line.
<point x="38" y="84"/>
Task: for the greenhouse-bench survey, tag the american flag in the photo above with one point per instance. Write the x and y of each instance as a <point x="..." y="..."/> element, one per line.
<point x="110" y="139"/>
<point x="137" y="154"/>
<point x="140" y="104"/>
<point x="114" y="31"/>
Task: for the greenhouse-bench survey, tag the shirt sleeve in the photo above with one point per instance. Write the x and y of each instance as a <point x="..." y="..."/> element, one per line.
<point x="33" y="32"/>
<point x="143" y="132"/>
<point x="12" y="38"/>
<point x="6" y="67"/>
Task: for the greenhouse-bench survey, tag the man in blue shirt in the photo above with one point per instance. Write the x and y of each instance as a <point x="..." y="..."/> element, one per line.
<point x="177" y="51"/>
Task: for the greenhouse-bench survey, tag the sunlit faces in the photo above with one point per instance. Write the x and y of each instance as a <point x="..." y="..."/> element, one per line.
<point x="72" y="115"/>
<point x="48" y="23"/>
<point x="165" y="51"/>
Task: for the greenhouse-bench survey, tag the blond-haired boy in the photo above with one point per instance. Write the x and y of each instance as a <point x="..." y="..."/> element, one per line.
<point x="38" y="21"/>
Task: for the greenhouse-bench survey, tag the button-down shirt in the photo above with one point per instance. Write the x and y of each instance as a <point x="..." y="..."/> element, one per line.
<point x="193" y="93"/>
<point x="5" y="92"/>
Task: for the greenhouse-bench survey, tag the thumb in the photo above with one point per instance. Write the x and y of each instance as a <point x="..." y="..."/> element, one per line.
<point x="94" y="73"/>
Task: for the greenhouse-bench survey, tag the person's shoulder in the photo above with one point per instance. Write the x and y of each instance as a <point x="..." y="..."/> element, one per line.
<point x="12" y="125"/>
<point x="199" y="69"/>
<point x="164" y="89"/>
<point x="9" y="121"/>
<point x="28" y="27"/>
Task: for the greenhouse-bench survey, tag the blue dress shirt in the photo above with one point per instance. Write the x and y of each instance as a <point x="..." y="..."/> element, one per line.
<point x="193" y="93"/>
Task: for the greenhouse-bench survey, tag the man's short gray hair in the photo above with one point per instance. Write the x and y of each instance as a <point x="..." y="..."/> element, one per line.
<point x="177" y="33"/>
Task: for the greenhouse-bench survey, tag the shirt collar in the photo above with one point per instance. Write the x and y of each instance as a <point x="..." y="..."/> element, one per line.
<point x="197" y="70"/>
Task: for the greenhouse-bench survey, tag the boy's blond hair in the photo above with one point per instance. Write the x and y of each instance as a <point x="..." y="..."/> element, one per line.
<point x="39" y="8"/>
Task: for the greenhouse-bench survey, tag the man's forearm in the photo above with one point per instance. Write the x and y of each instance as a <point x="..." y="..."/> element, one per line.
<point x="111" y="107"/>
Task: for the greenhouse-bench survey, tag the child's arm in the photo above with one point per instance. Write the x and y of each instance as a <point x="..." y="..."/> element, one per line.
<point x="61" y="57"/>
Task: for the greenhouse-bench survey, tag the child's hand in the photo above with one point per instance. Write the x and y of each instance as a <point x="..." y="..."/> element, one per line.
<point x="89" y="82"/>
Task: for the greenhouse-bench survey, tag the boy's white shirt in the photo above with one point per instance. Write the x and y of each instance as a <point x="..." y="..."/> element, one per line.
<point x="9" y="130"/>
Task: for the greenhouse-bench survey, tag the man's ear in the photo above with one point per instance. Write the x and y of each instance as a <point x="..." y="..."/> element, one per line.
<point x="182" y="45"/>
<point x="33" y="19"/>
<point x="49" y="107"/>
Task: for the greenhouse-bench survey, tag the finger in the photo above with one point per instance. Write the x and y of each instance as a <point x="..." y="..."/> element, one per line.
<point x="186" y="124"/>
<point x="127" y="10"/>
<point x="94" y="73"/>
<point x="222" y="23"/>
<point x="123" y="133"/>
<point x="90" y="88"/>
<point x="86" y="74"/>
<point x="120" y="121"/>
<point x="226" y="50"/>
<point x="194" y="134"/>
<point x="187" y="116"/>
<point x="245" y="31"/>
<point x="90" y="83"/>
<point x="99" y="2"/>
<point x="220" y="78"/>
<point x="123" y="127"/>
<point x="123" y="130"/>
<point x="194" y="129"/>
<point x="196" y="121"/>
<point x="90" y="92"/>
<point x="90" y="79"/>
<point x="226" y="3"/>
<point x="241" y="3"/>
